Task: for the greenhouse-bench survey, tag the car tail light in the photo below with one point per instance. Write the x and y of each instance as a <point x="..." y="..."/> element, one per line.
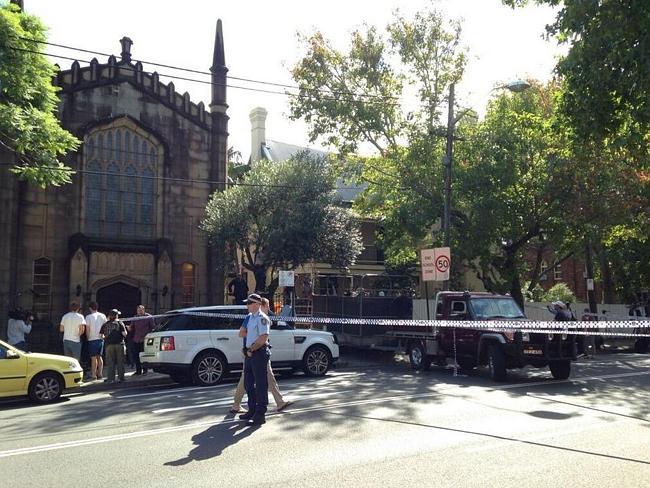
<point x="167" y="343"/>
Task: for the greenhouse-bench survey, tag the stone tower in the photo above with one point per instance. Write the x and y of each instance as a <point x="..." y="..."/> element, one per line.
<point x="218" y="150"/>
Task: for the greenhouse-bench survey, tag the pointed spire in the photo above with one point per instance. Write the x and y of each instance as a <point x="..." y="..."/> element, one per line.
<point x="219" y="72"/>
<point x="218" y="58"/>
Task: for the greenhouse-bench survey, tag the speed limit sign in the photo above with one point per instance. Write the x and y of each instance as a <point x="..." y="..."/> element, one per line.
<point x="435" y="264"/>
<point x="442" y="262"/>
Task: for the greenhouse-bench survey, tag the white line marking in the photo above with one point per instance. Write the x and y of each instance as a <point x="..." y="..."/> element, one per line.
<point x="146" y="433"/>
<point x="501" y="443"/>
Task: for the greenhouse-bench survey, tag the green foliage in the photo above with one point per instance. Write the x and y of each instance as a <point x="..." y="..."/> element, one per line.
<point x="607" y="68"/>
<point x="511" y="185"/>
<point x="560" y="291"/>
<point x="362" y="107"/>
<point x="536" y="294"/>
<point x="28" y="102"/>
<point x="283" y="215"/>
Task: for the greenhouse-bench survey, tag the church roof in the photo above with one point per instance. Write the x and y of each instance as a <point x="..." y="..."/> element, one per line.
<point x="281" y="151"/>
<point x="115" y="71"/>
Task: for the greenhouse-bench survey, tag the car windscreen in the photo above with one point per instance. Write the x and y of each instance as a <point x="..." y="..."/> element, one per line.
<point x="496" y="308"/>
<point x="202" y="321"/>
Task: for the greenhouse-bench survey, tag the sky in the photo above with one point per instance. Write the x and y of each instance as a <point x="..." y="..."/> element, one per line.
<point x="261" y="43"/>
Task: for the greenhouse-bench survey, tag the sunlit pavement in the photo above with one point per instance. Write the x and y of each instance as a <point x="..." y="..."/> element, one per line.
<point x="370" y="422"/>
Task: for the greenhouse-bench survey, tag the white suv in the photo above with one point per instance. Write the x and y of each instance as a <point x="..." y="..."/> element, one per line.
<point x="202" y="349"/>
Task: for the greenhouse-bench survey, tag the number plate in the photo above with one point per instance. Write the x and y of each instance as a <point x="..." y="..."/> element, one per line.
<point x="534" y="352"/>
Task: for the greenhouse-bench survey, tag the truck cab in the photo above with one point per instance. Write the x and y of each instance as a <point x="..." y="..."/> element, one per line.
<point x="498" y="349"/>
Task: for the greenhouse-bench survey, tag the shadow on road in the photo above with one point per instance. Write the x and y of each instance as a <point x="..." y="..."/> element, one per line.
<point x="214" y="440"/>
<point x="495" y="436"/>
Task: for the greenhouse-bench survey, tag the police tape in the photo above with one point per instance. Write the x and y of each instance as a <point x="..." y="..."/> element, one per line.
<point x="635" y="328"/>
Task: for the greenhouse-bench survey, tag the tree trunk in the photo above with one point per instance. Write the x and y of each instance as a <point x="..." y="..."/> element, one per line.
<point x="260" y="279"/>
<point x="510" y="268"/>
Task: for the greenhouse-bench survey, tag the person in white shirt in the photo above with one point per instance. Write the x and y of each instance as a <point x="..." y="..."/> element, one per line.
<point x="94" y="322"/>
<point x="16" y="330"/>
<point x="72" y="325"/>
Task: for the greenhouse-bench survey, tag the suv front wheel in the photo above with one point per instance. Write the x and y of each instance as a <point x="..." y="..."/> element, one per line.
<point x="316" y="361"/>
<point x="208" y="368"/>
<point x="496" y="363"/>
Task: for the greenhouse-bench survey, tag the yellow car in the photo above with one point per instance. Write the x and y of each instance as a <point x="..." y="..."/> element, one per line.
<point x="42" y="377"/>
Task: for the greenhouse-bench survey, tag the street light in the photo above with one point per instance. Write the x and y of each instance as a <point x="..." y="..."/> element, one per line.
<point x="516" y="86"/>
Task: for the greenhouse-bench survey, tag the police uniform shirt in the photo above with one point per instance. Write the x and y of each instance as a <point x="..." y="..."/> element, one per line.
<point x="258" y="324"/>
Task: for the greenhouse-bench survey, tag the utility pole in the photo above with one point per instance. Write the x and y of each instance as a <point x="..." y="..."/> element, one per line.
<point x="447" y="163"/>
<point x="591" y="294"/>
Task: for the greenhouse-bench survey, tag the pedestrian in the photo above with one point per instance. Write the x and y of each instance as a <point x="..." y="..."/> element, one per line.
<point x="280" y="402"/>
<point x="73" y="325"/>
<point x="17" y="328"/>
<point x="256" y="361"/>
<point x="114" y="332"/>
<point x="94" y="322"/>
<point x="238" y="289"/>
<point x="138" y="329"/>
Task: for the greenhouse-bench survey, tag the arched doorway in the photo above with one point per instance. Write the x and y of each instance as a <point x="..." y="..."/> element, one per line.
<point x="121" y="296"/>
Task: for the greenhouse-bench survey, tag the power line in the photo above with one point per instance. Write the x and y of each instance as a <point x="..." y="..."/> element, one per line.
<point x="207" y="73"/>
<point x="190" y="70"/>
<point x="72" y="171"/>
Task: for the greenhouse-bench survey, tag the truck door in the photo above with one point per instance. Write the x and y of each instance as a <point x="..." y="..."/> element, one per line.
<point x="455" y="308"/>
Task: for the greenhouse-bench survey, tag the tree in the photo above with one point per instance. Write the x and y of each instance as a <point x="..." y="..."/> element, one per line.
<point x="28" y="125"/>
<point x="512" y="186"/>
<point x="352" y="99"/>
<point x="606" y="70"/>
<point x="283" y="215"/>
<point x="606" y="73"/>
<point x="560" y="292"/>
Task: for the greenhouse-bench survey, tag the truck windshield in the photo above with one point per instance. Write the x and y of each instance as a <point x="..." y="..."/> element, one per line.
<point x="496" y="308"/>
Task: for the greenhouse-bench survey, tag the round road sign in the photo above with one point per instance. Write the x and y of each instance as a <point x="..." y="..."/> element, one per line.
<point x="442" y="263"/>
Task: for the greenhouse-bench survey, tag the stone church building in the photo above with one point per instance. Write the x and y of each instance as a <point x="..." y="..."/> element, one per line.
<point x="126" y="230"/>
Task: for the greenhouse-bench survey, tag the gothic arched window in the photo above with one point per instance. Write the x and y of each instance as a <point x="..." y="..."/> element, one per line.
<point x="120" y="184"/>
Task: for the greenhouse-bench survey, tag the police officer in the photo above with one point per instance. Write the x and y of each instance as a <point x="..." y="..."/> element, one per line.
<point x="258" y="354"/>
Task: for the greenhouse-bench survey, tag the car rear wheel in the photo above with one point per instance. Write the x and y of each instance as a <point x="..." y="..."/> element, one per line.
<point x="209" y="368"/>
<point x="45" y="388"/>
<point x="560" y="369"/>
<point x="496" y="363"/>
<point x="316" y="361"/>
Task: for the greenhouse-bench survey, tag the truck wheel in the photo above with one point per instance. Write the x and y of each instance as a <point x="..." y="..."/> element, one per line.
<point x="418" y="357"/>
<point x="208" y="368"/>
<point x="560" y="369"/>
<point x="496" y="363"/>
<point x="641" y="346"/>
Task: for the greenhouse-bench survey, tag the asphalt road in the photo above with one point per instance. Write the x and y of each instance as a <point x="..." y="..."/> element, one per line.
<point x="358" y="426"/>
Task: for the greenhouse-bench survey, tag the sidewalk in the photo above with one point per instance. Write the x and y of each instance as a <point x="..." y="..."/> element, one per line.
<point x="130" y="381"/>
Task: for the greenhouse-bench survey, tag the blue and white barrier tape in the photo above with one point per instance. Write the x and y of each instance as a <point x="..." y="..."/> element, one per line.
<point x="635" y="328"/>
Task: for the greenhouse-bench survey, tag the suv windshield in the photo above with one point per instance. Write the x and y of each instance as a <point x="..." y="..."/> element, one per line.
<point x="496" y="308"/>
<point x="188" y="321"/>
